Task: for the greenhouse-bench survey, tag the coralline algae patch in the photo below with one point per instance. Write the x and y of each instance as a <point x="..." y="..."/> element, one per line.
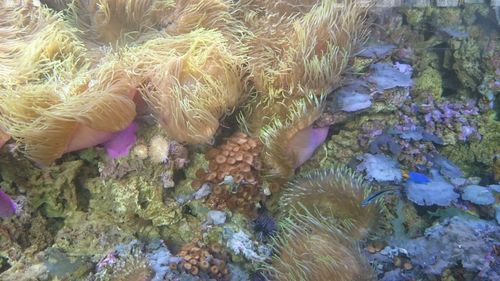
<point x="415" y="123"/>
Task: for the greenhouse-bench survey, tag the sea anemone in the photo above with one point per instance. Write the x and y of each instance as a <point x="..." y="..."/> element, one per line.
<point x="336" y="193"/>
<point x="292" y="79"/>
<point x="34" y="41"/>
<point x="281" y="136"/>
<point x="50" y="97"/>
<point x="189" y="81"/>
<point x="302" y="45"/>
<point x="118" y="21"/>
<point x="310" y="248"/>
<point x="133" y="266"/>
<point x="189" y="15"/>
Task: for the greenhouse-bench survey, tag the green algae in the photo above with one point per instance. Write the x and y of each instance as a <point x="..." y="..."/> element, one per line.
<point x="91" y="234"/>
<point x="135" y="196"/>
<point x="55" y="191"/>
<point x="476" y="157"/>
<point x="428" y="81"/>
<point x="467" y="61"/>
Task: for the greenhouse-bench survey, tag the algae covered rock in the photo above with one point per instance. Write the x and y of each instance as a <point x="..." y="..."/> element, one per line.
<point x="134" y="196"/>
<point x="429" y="80"/>
<point x="56" y="191"/>
<point x="477" y="157"/>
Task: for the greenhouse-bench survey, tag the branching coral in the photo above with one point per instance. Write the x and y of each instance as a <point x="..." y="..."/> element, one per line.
<point x="310" y="248"/>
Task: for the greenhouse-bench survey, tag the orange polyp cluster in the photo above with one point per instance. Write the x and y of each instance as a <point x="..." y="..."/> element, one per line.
<point x="198" y="260"/>
<point x="236" y="157"/>
<point x="243" y="199"/>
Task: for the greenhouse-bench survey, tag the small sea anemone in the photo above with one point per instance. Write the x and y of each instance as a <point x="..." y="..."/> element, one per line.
<point x="132" y="266"/>
<point x="309" y="248"/>
<point x="280" y="133"/>
<point x="189" y="81"/>
<point x="237" y="157"/>
<point x="203" y="261"/>
<point x="158" y="149"/>
<point x="335" y="193"/>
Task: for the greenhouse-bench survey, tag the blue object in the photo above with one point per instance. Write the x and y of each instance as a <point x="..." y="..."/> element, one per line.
<point x="418" y="177"/>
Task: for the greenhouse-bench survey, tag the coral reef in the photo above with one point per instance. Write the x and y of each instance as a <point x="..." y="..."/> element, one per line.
<point x="437" y="250"/>
<point x="132" y="130"/>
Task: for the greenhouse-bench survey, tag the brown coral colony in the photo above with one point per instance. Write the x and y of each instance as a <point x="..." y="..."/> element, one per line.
<point x="198" y="260"/>
<point x="238" y="158"/>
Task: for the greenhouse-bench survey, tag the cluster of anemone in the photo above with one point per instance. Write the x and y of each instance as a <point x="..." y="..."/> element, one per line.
<point x="204" y="261"/>
<point x="72" y="78"/>
<point x="243" y="198"/>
